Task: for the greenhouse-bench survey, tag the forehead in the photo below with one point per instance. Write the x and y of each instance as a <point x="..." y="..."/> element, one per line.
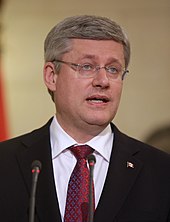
<point x="96" y="49"/>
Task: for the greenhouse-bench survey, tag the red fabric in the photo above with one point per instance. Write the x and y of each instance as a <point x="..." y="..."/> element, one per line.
<point x="3" y="120"/>
<point x="77" y="203"/>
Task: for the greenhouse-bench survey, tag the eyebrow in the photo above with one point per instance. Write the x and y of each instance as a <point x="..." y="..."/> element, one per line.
<point x="89" y="56"/>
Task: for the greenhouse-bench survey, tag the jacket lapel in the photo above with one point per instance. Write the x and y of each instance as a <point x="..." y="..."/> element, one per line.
<point x="37" y="147"/>
<point x="122" y="173"/>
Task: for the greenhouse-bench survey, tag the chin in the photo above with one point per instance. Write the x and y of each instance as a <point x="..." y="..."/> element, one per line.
<point x="99" y="122"/>
<point x="99" y="119"/>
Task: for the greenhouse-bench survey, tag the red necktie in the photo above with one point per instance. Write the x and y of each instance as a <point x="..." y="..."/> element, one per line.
<point x="77" y="203"/>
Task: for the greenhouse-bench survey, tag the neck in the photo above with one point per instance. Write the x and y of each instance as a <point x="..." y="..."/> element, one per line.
<point x="82" y="134"/>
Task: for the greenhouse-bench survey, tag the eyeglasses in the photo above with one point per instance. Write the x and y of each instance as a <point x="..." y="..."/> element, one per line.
<point x="88" y="70"/>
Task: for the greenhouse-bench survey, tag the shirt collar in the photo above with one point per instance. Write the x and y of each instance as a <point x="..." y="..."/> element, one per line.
<point x="103" y="142"/>
<point x="60" y="140"/>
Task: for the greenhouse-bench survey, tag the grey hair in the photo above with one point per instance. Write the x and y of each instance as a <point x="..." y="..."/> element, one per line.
<point x="58" y="41"/>
<point x="92" y="27"/>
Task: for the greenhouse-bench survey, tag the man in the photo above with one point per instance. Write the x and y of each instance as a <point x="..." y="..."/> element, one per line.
<point x="86" y="59"/>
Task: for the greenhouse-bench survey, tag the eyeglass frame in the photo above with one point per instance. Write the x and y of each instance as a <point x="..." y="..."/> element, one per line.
<point x="78" y="67"/>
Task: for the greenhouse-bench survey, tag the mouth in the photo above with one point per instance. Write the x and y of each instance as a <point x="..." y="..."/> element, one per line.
<point x="98" y="99"/>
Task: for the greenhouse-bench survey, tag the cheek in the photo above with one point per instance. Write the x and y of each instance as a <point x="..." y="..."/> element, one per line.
<point x="67" y="91"/>
<point x="117" y="91"/>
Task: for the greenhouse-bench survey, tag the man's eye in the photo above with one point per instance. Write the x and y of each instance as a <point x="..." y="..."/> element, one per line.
<point x="112" y="69"/>
<point x="87" y="67"/>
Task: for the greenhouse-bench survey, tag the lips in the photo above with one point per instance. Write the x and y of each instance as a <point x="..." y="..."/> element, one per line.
<point x="98" y="99"/>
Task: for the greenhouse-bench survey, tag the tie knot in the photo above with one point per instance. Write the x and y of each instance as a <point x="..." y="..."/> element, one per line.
<point x="81" y="152"/>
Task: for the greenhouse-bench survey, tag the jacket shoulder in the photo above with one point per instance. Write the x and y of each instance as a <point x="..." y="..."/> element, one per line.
<point x="141" y="150"/>
<point x="25" y="139"/>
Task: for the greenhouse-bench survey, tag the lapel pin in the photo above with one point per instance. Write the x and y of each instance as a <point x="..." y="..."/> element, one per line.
<point x="130" y="165"/>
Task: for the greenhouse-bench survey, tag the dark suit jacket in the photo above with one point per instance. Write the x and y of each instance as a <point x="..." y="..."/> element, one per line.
<point x="136" y="193"/>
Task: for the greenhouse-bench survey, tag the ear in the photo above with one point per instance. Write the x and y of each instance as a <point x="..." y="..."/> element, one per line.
<point x="50" y="76"/>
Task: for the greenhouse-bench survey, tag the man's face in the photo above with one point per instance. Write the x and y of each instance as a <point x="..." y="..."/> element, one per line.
<point x="88" y="102"/>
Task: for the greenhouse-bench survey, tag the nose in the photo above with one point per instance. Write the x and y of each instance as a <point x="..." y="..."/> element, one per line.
<point x="101" y="79"/>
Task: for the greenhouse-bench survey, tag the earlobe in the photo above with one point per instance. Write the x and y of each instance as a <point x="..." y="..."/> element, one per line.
<point x="50" y="76"/>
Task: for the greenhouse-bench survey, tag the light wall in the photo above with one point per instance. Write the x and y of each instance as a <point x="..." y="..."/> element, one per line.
<point x="145" y="101"/>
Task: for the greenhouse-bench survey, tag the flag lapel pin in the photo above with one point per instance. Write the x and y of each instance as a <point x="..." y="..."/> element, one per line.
<point x="130" y="165"/>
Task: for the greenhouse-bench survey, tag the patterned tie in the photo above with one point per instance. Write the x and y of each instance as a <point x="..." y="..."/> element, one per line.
<point x="77" y="203"/>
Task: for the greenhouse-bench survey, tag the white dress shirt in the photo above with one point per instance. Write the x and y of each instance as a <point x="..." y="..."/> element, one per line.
<point x="64" y="161"/>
